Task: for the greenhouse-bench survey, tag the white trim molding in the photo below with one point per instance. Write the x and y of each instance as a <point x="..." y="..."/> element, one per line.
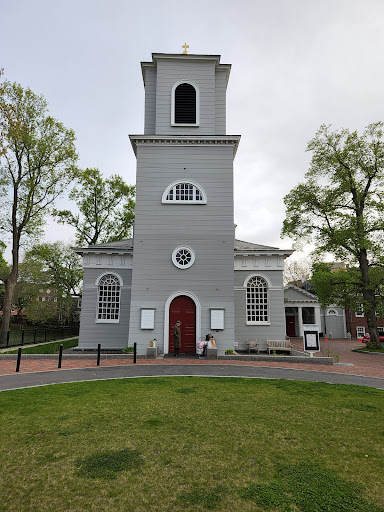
<point x="186" y="140"/>
<point x="109" y="272"/>
<point x="269" y="285"/>
<point x="195" y="86"/>
<point x="166" y="316"/>
<point x="259" y="274"/>
<point x="97" y="283"/>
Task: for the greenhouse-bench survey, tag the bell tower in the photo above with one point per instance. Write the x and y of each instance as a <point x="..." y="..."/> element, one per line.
<point x="183" y="258"/>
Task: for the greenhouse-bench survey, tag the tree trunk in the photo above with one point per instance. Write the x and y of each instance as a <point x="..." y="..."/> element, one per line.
<point x="10" y="284"/>
<point x="369" y="298"/>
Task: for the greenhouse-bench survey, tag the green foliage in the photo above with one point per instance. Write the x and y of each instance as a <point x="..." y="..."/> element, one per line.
<point x="108" y="464"/>
<point x="340" y="206"/>
<point x="37" y="163"/>
<point x="61" y="265"/>
<point x="344" y="287"/>
<point x="49" y="265"/>
<point x="128" y="350"/>
<point x="106" y="208"/>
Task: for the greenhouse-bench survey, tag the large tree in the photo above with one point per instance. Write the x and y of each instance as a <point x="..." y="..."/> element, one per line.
<point x="38" y="158"/>
<point x="297" y="270"/>
<point x="54" y="265"/>
<point x="340" y="206"/>
<point x="343" y="286"/>
<point x="106" y="208"/>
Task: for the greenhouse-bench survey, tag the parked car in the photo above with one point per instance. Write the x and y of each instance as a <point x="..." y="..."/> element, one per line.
<point x="367" y="338"/>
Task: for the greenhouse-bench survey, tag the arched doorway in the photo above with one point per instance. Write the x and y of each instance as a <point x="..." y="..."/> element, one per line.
<point x="183" y="308"/>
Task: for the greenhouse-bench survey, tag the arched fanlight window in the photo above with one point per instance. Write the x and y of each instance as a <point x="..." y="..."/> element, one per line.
<point x="185" y="104"/>
<point x="257" y="300"/>
<point x="108" y="303"/>
<point x="184" y="192"/>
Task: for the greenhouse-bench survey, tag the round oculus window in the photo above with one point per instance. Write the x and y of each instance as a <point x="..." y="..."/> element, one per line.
<point x="183" y="257"/>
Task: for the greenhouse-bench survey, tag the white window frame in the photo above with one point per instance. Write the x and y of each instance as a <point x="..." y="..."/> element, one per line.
<point x="332" y="312"/>
<point x="173" y="103"/>
<point x="164" y="199"/>
<point x="268" y="286"/>
<point x="97" y="283"/>
<point x="361" y="307"/>
<point x="175" y="262"/>
<point x="360" y="328"/>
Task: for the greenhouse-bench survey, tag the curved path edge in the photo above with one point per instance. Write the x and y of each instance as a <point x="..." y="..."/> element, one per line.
<point x="26" y="380"/>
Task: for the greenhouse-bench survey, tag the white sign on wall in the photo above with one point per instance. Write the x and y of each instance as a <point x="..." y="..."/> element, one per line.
<point x="147" y="318"/>
<point x="217" y="319"/>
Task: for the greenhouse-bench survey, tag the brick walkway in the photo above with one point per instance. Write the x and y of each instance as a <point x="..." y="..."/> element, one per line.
<point x="367" y="365"/>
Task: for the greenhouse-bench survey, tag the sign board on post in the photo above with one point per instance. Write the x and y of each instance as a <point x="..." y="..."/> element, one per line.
<point x="311" y="341"/>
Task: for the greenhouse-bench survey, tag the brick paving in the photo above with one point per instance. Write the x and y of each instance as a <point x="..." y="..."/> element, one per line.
<point x="368" y="365"/>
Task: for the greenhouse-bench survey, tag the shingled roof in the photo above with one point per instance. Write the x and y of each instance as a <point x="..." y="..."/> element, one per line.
<point x="240" y="245"/>
<point x="127" y="245"/>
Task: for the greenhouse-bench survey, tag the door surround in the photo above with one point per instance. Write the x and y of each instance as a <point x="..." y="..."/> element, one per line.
<point x="166" y="316"/>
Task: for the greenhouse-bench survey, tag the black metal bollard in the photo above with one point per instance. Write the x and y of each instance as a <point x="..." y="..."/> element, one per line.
<point x="18" y="360"/>
<point x="8" y="338"/>
<point x="134" y="352"/>
<point x="60" y="355"/>
<point x="98" y="354"/>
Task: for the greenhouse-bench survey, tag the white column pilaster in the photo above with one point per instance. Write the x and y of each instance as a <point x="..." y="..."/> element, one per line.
<point x="300" y="318"/>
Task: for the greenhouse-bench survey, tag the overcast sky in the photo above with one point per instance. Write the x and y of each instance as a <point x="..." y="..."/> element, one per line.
<point x="295" y="65"/>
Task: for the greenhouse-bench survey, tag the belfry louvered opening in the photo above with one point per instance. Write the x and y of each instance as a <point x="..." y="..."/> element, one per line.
<point x="185" y="104"/>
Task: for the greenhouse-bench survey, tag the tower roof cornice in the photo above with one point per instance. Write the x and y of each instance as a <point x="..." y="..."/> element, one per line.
<point x="184" y="57"/>
<point x="185" y="140"/>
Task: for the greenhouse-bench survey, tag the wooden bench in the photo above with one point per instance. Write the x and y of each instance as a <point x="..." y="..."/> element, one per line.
<point x="275" y="345"/>
<point x="252" y="345"/>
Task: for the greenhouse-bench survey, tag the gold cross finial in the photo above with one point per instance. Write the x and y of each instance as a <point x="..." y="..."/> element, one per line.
<point x="185" y="46"/>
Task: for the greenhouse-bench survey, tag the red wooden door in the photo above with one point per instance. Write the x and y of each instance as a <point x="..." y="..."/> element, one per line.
<point x="183" y="308"/>
<point x="290" y="325"/>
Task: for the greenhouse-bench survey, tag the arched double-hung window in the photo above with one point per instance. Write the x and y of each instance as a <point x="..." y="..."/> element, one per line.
<point x="108" y="299"/>
<point x="257" y="301"/>
<point x="185" y="104"/>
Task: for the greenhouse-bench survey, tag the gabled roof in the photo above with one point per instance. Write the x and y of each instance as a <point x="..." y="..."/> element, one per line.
<point x="308" y="294"/>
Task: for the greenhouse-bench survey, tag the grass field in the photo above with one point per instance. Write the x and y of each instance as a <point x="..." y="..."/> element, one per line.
<point x="48" y="348"/>
<point x="192" y="444"/>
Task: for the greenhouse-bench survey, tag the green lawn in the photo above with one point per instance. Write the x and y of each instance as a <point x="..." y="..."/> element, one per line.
<point x="48" y="348"/>
<point x="192" y="444"/>
<point x="375" y="350"/>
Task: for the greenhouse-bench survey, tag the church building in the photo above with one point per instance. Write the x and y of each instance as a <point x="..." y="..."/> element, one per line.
<point x="183" y="262"/>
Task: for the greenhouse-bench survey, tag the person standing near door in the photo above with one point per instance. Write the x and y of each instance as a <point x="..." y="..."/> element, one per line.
<point x="176" y="338"/>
